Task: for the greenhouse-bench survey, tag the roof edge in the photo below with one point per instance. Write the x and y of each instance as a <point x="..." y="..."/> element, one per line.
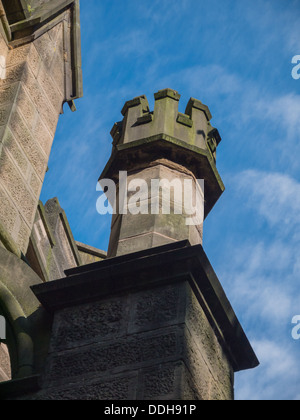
<point x="25" y="24"/>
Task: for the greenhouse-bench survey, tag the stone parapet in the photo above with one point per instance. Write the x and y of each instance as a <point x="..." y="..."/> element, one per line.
<point x="193" y="127"/>
<point x="151" y="325"/>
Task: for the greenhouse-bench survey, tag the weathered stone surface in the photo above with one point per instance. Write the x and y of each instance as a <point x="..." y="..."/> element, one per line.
<point x="208" y="346"/>
<point x="27" y="331"/>
<point x="158" y="215"/>
<point x="52" y="249"/>
<point x="95" y="322"/>
<point x="8" y="211"/>
<point x="156" y="308"/>
<point x="5" y="369"/>
<point x="90" y="254"/>
<point x="162" y="382"/>
<point x="16" y="153"/>
<point x="167" y="147"/>
<point x="29" y="144"/>
<point x="17" y="187"/>
<point x="8" y="92"/>
<point x="136" y="330"/>
<point x="141" y="322"/>
<point x="147" y="332"/>
<point x="32" y="92"/>
<point x="124" y="354"/>
<point x="111" y="388"/>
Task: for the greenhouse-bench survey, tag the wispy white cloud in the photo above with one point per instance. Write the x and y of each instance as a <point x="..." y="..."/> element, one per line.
<point x="262" y="280"/>
<point x="276" y="378"/>
<point x="275" y="196"/>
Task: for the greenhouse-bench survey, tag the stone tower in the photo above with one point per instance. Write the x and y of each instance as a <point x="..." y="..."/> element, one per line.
<point x="152" y="321"/>
<point x="177" y="150"/>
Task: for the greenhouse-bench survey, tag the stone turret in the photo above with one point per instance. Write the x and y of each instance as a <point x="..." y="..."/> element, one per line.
<point x="151" y="322"/>
<point x="176" y="150"/>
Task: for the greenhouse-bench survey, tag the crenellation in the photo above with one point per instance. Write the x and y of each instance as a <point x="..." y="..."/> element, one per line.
<point x="194" y="104"/>
<point x="156" y="145"/>
<point x="139" y="122"/>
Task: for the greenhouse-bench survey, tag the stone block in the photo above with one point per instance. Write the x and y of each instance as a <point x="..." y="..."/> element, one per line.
<point x="110" y="388"/>
<point x="16" y="152"/>
<point x="8" y="211"/>
<point x="26" y="107"/>
<point x="3" y="52"/>
<point x="29" y="144"/>
<point x="35" y="183"/>
<point x="124" y="354"/>
<point x="34" y="60"/>
<point x="23" y="236"/>
<point x="13" y="74"/>
<point x="5" y="369"/>
<point x="46" y="49"/>
<point x="138" y="243"/>
<point x="4" y="114"/>
<point x="52" y="247"/>
<point x="161" y="214"/>
<point x="54" y="95"/>
<point x="8" y="93"/>
<point x="43" y="136"/>
<point x="58" y="68"/>
<point x="17" y="188"/>
<point x="94" y="322"/>
<point x="139" y="123"/>
<point x="90" y="254"/>
<point x="161" y="382"/>
<point x="157" y="308"/>
<point x="160" y="333"/>
<point x="37" y="95"/>
<point x="18" y="55"/>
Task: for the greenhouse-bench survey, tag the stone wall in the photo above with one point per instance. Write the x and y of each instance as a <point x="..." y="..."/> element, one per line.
<point x="153" y="344"/>
<point x="31" y="98"/>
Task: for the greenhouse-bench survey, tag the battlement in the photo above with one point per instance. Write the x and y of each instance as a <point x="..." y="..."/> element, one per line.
<point x="192" y="127"/>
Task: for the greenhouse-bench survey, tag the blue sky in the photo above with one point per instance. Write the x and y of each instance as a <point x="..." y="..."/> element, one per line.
<point x="235" y="56"/>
